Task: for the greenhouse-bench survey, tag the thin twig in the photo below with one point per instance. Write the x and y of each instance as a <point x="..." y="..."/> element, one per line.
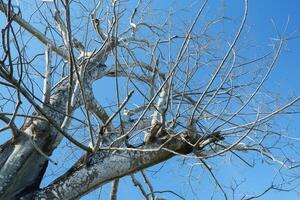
<point x="112" y="117"/>
<point x="114" y="189"/>
<point x="36" y="33"/>
<point x="148" y="184"/>
<point x="222" y="62"/>
<point x="139" y="185"/>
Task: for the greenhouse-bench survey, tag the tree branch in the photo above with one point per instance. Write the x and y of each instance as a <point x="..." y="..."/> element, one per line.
<point x="36" y="33"/>
<point x="102" y="167"/>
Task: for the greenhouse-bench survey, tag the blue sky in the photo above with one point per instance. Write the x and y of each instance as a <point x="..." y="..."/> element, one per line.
<point x="174" y="174"/>
<point x="284" y="81"/>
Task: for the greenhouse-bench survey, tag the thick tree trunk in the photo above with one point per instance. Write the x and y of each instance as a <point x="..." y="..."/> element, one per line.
<point x="22" y="170"/>
<point x="105" y="166"/>
<point x="22" y="166"/>
<point x="92" y="171"/>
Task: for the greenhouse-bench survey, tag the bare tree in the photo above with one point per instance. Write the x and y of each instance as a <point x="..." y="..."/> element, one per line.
<point x="179" y="89"/>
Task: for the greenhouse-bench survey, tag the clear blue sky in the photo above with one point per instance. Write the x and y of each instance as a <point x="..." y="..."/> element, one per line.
<point x="174" y="174"/>
<point x="284" y="80"/>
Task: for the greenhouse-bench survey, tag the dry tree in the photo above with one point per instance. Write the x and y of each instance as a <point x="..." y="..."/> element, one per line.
<point x="114" y="87"/>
